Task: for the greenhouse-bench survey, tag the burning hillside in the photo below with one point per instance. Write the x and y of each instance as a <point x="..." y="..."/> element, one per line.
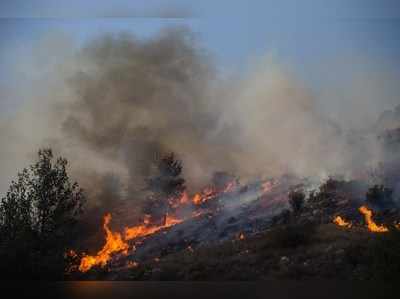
<point x="183" y="169"/>
<point x="211" y="204"/>
<point x="243" y="213"/>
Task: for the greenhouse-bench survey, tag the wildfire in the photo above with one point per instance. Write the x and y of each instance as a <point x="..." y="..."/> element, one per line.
<point x="372" y="226"/>
<point x="114" y="244"/>
<point x="197" y="199"/>
<point x="132" y="264"/>
<point x="341" y="222"/>
<point x="211" y="192"/>
<point x="144" y="229"/>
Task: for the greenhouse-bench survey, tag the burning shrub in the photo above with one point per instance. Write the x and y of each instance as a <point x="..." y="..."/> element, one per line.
<point x="36" y="219"/>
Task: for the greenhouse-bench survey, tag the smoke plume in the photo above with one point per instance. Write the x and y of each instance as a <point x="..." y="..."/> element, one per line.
<point x="114" y="105"/>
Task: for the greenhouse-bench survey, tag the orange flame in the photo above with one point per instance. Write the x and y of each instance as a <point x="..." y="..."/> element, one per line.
<point x="114" y="244"/>
<point x="197" y="199"/>
<point x="372" y="226"/>
<point x="241" y="236"/>
<point x="132" y="264"/>
<point x="143" y="230"/>
<point x="341" y="222"/>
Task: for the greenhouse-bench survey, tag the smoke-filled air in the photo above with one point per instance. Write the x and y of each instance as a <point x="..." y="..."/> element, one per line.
<point x="116" y="103"/>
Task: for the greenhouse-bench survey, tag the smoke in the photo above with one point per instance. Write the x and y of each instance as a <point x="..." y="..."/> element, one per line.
<point x="115" y="104"/>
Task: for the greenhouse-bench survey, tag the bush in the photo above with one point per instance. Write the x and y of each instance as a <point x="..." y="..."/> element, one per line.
<point x="384" y="256"/>
<point x="293" y="235"/>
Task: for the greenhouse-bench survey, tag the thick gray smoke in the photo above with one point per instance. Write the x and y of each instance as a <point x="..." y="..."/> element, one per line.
<point x="112" y="106"/>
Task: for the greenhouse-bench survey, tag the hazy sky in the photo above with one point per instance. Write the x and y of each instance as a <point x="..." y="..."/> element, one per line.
<point x="311" y="36"/>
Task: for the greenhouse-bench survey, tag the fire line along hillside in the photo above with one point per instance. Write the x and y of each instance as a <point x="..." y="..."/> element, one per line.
<point x="269" y="229"/>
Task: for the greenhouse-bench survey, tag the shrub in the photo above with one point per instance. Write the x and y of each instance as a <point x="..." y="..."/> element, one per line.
<point x="293" y="235"/>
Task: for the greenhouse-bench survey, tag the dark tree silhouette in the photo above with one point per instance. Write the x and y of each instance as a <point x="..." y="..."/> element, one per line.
<point x="296" y="200"/>
<point x="37" y="218"/>
<point x="380" y="196"/>
<point x="165" y="187"/>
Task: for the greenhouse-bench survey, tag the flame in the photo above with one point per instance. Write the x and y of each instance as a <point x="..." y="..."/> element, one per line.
<point x="372" y="226"/>
<point x="341" y="222"/>
<point x="197" y="199"/>
<point x="241" y="236"/>
<point x="114" y="244"/>
<point x="212" y="192"/>
<point x="144" y="229"/>
<point x="170" y="221"/>
<point x="146" y="219"/>
<point x="71" y="253"/>
<point x="132" y="264"/>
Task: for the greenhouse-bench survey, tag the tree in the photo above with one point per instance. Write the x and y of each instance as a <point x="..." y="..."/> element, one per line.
<point x="165" y="186"/>
<point x="296" y="200"/>
<point x="37" y="217"/>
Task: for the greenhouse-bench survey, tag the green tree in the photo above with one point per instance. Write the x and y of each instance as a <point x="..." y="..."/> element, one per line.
<point x="37" y="218"/>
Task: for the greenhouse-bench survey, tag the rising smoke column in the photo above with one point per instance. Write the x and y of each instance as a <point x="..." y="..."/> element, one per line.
<point x="116" y="104"/>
